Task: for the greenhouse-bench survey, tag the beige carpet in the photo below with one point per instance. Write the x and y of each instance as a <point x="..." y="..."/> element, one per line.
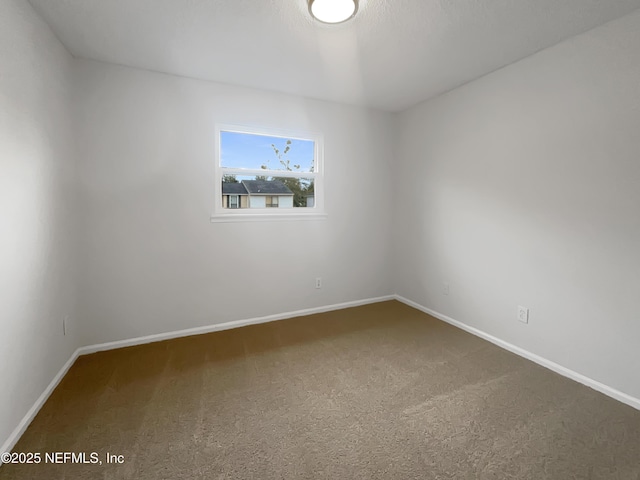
<point x="375" y="392"/>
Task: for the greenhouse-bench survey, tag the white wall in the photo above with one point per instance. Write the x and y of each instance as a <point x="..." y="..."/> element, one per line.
<point x="36" y="210"/>
<point x="151" y="259"/>
<point x="286" y="202"/>
<point x="523" y="188"/>
<point x="519" y="188"/>
<point x="257" y="201"/>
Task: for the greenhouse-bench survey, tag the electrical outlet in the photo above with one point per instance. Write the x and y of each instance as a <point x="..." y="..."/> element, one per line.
<point x="523" y="314"/>
<point x="318" y="282"/>
<point x="445" y="288"/>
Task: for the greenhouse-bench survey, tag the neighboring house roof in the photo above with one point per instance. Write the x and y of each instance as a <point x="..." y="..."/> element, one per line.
<point x="230" y="188"/>
<point x="266" y="187"/>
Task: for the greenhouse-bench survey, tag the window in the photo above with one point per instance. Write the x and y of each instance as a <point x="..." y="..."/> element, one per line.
<point x="258" y="170"/>
<point x="272" y="202"/>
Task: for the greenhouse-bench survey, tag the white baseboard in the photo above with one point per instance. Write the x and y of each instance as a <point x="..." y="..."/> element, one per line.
<point x="22" y="426"/>
<point x="28" y="418"/>
<point x="8" y="445"/>
<point x="566" y="372"/>
<point x="228" y="325"/>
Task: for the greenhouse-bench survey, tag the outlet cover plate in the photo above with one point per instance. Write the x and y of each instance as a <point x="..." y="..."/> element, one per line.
<point x="523" y="314"/>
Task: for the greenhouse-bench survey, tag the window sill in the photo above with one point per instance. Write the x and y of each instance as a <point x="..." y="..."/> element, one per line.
<point x="266" y="217"/>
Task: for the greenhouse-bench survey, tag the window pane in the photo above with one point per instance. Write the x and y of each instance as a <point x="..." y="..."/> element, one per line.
<point x="272" y="201"/>
<point x="251" y="151"/>
<point x="267" y="192"/>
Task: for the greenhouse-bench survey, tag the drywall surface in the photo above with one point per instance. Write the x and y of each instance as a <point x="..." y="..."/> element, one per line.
<point x="392" y="55"/>
<point x="523" y="188"/>
<point x="151" y="260"/>
<point x="36" y="210"/>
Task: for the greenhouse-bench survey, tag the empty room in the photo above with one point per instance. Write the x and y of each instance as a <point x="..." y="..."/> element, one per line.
<point x="320" y="239"/>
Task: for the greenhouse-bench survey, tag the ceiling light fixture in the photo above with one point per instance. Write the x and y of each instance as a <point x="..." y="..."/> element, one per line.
<point x="333" y="11"/>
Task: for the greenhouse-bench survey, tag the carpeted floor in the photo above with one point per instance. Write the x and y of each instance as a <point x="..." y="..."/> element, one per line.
<point x="375" y="392"/>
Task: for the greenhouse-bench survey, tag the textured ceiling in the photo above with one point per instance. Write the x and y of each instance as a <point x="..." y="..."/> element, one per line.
<point x="393" y="55"/>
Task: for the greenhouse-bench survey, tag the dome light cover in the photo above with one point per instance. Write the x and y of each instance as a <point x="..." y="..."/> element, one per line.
<point x="333" y="11"/>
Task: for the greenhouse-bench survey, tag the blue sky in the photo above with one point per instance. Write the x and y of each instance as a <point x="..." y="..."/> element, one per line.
<point x="244" y="150"/>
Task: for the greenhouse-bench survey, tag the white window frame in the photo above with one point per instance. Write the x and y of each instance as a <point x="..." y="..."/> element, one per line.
<point x="316" y="212"/>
